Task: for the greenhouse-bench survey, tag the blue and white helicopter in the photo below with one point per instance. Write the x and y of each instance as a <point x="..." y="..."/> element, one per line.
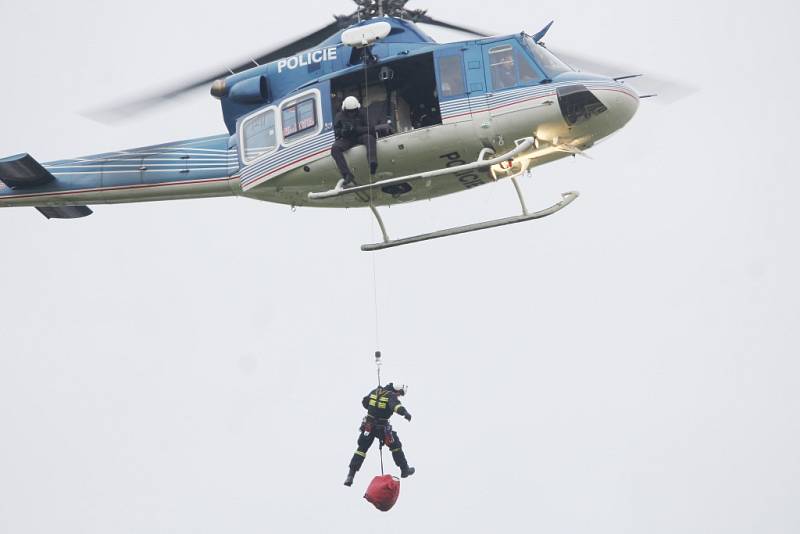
<point x="452" y="117"/>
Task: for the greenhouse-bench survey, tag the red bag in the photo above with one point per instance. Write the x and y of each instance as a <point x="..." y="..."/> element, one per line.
<point x="383" y="492"/>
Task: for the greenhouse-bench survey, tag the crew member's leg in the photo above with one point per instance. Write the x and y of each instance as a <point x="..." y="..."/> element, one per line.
<point x="400" y="457"/>
<point x="364" y="443"/>
<point x="371" y="143"/>
<point x="340" y="146"/>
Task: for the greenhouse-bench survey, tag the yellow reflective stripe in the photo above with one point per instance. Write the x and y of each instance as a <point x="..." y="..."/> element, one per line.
<point x="397" y="407"/>
<point x="379" y="401"/>
<point x="397" y="449"/>
<point x="362" y="454"/>
<point x="373" y="400"/>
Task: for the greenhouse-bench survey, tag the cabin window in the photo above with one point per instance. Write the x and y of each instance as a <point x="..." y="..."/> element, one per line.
<point x="452" y="76"/>
<point x="504" y="72"/>
<point x="259" y="135"/>
<point x="298" y="118"/>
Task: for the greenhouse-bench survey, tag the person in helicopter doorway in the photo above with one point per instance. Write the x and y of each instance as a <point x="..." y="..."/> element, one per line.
<point x="381" y="403"/>
<point x="352" y="128"/>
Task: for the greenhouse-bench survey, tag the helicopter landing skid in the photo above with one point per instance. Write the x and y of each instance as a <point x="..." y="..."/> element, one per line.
<point x="566" y="200"/>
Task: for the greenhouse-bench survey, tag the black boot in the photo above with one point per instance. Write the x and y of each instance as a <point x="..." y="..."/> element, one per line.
<point x="348" y="180"/>
<point x="349" y="480"/>
<point x="400" y="461"/>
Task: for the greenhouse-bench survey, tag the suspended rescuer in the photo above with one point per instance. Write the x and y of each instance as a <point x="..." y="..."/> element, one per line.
<point x="381" y="403"/>
<point x="352" y="128"/>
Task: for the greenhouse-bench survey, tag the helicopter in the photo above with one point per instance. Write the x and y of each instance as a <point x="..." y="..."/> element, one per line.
<point x="450" y="118"/>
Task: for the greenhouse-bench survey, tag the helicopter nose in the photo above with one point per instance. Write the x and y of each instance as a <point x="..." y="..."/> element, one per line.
<point x="607" y="106"/>
<point x="622" y="103"/>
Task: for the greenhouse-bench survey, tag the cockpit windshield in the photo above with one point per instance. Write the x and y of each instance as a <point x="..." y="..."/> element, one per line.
<point x="549" y="63"/>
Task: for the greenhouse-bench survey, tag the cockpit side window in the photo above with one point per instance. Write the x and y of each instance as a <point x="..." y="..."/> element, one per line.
<point x="259" y="135"/>
<point x="549" y="63"/>
<point x="527" y="72"/>
<point x="504" y="70"/>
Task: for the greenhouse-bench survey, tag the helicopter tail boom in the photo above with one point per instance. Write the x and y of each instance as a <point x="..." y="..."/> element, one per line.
<point x="196" y="168"/>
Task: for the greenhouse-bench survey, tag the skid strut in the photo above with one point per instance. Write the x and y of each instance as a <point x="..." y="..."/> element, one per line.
<point x="380" y="223"/>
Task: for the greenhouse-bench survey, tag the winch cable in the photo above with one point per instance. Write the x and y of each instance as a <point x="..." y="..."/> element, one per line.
<point x="378" y="362"/>
<point x="367" y="55"/>
<point x="375" y="303"/>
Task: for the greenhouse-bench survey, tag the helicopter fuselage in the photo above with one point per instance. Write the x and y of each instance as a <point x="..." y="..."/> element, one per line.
<point x="436" y="106"/>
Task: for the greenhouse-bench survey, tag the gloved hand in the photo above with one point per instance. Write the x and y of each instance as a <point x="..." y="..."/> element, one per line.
<point x="407" y="416"/>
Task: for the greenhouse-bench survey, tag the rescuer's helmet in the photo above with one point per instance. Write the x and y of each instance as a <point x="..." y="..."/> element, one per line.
<point x="350" y="103"/>
<point x="400" y="390"/>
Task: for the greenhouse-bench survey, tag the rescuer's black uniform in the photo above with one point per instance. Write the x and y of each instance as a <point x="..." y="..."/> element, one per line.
<point x="380" y="403"/>
<point x="352" y="128"/>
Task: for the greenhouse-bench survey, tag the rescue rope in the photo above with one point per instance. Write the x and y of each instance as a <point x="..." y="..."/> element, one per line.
<point x="367" y="55"/>
<point x="378" y="361"/>
<point x="375" y="294"/>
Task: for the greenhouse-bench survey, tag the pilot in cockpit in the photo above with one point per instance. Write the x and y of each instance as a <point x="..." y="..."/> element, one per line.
<point x="505" y="75"/>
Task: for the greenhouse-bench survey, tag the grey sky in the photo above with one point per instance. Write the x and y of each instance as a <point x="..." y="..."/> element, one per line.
<point x="628" y="365"/>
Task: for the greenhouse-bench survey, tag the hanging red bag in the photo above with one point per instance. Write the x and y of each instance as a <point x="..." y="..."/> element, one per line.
<point x="383" y="492"/>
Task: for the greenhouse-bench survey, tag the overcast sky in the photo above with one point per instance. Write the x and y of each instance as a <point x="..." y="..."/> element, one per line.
<point x="629" y="365"/>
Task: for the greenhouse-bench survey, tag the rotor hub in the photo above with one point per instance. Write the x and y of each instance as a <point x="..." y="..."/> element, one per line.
<point x="368" y="9"/>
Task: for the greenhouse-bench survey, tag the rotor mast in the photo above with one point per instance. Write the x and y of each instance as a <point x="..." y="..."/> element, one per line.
<point x="370" y="9"/>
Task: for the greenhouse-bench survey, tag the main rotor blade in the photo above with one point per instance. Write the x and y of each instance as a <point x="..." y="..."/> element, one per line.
<point x="668" y="90"/>
<point x="427" y="19"/>
<point x="129" y="109"/>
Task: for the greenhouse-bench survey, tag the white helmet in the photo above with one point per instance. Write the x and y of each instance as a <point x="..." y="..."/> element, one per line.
<point x="399" y="389"/>
<point x="350" y="103"/>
